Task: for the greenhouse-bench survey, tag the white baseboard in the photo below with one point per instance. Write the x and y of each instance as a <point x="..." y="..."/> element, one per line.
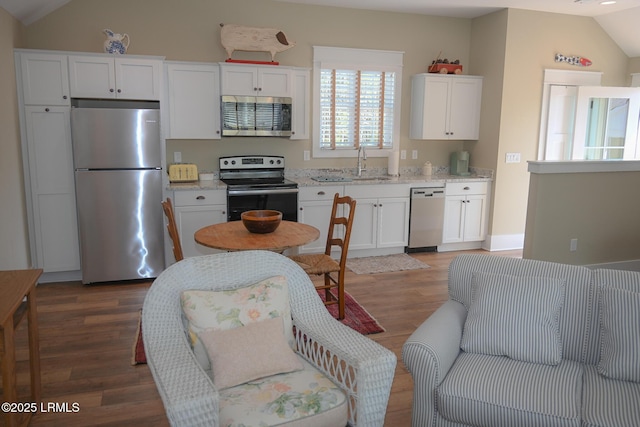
<point x="631" y="265"/>
<point x="504" y="242"/>
<point x="61" y="276"/>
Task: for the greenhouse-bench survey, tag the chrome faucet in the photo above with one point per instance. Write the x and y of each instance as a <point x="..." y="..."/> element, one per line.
<point x="361" y="162"/>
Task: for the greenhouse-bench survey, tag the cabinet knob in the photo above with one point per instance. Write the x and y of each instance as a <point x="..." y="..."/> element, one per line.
<point x="217" y="132"/>
<point x="301" y="208"/>
<point x="64" y="96"/>
<point x="224" y="213"/>
<point x="255" y="89"/>
<point x="46" y="109"/>
<point x="111" y="90"/>
<point x="321" y="193"/>
<point x="200" y="198"/>
<point x="466" y="188"/>
<point x="119" y="90"/>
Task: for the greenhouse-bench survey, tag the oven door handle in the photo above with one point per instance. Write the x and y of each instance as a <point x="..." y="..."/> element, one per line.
<point x="260" y="192"/>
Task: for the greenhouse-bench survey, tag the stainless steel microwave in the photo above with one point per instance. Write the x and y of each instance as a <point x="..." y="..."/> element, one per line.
<point x="256" y="116"/>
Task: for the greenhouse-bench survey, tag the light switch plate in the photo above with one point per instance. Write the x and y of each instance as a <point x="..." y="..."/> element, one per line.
<point x="403" y="154"/>
<point x="414" y="154"/>
<point x="177" y="156"/>
<point x="307" y="155"/>
<point x="512" y="158"/>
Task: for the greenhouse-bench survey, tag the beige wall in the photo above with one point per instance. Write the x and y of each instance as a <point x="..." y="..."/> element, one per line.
<point x="14" y="251"/>
<point x="599" y="209"/>
<point x="189" y="30"/>
<point x="528" y="51"/>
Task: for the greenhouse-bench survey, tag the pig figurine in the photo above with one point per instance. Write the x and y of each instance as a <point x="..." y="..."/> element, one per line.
<point x="253" y="39"/>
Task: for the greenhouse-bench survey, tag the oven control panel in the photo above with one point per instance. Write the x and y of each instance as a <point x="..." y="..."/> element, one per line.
<point x="251" y="162"/>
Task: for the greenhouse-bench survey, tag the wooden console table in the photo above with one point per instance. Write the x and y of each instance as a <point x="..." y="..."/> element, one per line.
<point x="15" y="285"/>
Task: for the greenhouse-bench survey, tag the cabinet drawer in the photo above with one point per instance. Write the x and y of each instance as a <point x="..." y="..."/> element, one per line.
<point x="200" y="197"/>
<point x="377" y="191"/>
<point x="462" y="188"/>
<point x="325" y="192"/>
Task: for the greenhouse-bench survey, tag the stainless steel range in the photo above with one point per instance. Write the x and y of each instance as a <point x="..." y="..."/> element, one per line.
<point x="258" y="182"/>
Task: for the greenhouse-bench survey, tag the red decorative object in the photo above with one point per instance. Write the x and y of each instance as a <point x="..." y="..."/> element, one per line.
<point x="246" y="61"/>
<point x="445" y="68"/>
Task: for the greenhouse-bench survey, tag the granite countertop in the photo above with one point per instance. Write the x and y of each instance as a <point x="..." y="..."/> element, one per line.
<point x="304" y="178"/>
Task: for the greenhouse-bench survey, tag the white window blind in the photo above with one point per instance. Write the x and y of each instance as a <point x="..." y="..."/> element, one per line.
<point x="357" y="99"/>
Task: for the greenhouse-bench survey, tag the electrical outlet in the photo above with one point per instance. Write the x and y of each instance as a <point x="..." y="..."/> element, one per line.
<point x="573" y="245"/>
<point x="177" y="157"/>
<point x="414" y="154"/>
<point x="512" y="158"/>
<point x="307" y="155"/>
<point x="403" y="154"/>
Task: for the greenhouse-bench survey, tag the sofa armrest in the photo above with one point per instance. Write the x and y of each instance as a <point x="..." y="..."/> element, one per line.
<point x="428" y="355"/>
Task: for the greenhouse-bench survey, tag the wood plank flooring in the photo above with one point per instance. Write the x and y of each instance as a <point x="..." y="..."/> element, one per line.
<point x="87" y="334"/>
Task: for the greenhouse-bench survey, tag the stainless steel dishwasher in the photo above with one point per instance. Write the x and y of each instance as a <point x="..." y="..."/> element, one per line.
<point x="427" y="216"/>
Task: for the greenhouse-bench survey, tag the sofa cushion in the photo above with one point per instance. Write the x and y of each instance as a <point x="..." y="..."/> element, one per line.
<point x="271" y="401"/>
<point x="578" y="323"/>
<point x="619" y="334"/>
<point x="235" y="307"/>
<point x="608" y="402"/>
<point x="515" y="317"/>
<point x="494" y="391"/>
<point x="249" y="352"/>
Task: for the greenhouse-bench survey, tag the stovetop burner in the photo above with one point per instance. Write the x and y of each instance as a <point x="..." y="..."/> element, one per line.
<point x="254" y="172"/>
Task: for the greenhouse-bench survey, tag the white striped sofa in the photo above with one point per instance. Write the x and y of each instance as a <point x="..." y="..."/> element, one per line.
<point x="464" y="388"/>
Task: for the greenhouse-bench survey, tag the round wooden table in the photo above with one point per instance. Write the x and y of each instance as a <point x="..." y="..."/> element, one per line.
<point x="233" y="236"/>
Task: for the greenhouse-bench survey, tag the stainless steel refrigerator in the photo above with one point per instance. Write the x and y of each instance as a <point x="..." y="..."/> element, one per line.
<point x="117" y="161"/>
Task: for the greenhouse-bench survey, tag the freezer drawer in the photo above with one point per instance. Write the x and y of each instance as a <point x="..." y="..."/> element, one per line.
<point x="120" y="224"/>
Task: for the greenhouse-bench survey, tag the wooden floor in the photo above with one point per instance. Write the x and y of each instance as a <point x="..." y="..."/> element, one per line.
<point x="87" y="334"/>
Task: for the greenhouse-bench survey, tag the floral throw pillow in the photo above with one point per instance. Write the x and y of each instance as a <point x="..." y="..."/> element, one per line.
<point x="230" y="309"/>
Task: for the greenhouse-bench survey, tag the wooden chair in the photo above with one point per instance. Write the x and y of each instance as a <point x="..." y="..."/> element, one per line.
<point x="167" y="206"/>
<point x="323" y="263"/>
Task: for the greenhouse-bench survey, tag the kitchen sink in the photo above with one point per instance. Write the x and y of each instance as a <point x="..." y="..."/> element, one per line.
<point x="330" y="178"/>
<point x="371" y="178"/>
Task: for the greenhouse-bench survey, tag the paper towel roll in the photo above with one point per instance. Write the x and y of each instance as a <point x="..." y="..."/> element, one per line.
<point x="394" y="163"/>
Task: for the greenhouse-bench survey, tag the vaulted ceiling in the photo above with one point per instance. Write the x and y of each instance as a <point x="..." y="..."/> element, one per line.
<point x="619" y="20"/>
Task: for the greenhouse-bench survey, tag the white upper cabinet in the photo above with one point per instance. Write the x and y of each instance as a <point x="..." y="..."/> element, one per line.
<point x="301" y="104"/>
<point x="251" y="80"/>
<point x="108" y="77"/>
<point x="194" y="100"/>
<point x="445" y="107"/>
<point x="45" y="79"/>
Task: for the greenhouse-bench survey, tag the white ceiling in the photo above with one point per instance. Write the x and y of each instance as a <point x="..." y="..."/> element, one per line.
<point x="619" y="20"/>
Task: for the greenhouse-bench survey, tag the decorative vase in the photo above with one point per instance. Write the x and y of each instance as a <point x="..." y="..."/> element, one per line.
<point x="116" y="43"/>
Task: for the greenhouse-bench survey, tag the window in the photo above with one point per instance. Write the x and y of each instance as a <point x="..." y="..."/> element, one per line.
<point x="356" y="101"/>
<point x="584" y="121"/>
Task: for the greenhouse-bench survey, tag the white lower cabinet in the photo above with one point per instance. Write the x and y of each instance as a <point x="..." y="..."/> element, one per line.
<point x="195" y="209"/>
<point x="465" y="212"/>
<point x="315" y="204"/>
<point x="382" y="216"/>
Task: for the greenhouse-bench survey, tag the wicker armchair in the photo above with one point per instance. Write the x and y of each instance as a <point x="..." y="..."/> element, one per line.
<point x="360" y="366"/>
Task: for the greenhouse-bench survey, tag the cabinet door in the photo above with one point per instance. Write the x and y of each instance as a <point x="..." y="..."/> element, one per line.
<point x="138" y="78"/>
<point x="274" y="81"/>
<point x="92" y="77"/>
<point x="194" y="101"/>
<point x="393" y="222"/>
<point x="45" y="79"/>
<point x="190" y="219"/>
<point x="464" y="110"/>
<point x="238" y="80"/>
<point x="52" y="188"/>
<point x="453" y="219"/>
<point x="301" y="104"/>
<point x="436" y="108"/>
<point x="364" y="233"/>
<point x="474" y="218"/>
<point x="316" y="214"/>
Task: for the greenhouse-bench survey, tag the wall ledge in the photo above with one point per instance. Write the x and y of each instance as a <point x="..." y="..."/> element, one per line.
<point x="587" y="166"/>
